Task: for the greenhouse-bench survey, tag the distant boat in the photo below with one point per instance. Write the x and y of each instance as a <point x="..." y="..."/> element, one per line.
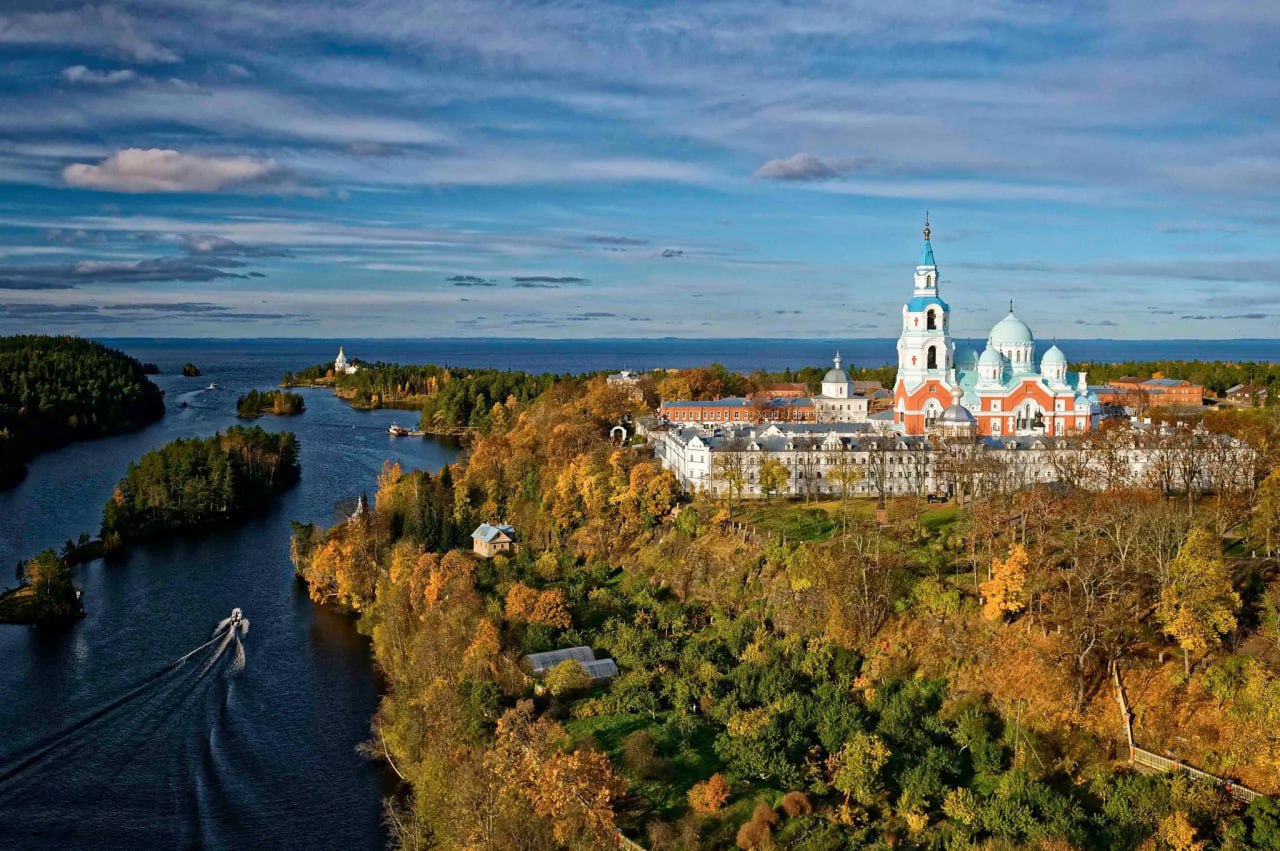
<point x="212" y="387"/>
<point x="183" y="404"/>
<point x="398" y="431"/>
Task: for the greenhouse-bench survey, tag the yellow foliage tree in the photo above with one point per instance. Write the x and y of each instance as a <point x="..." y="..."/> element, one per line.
<point x="1197" y="604"/>
<point x="1002" y="593"/>
<point x="1176" y="833"/>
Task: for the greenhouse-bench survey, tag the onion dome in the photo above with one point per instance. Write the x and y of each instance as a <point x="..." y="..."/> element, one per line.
<point x="991" y="358"/>
<point x="1052" y="358"/>
<point x="966" y="358"/>
<point x="1010" y="331"/>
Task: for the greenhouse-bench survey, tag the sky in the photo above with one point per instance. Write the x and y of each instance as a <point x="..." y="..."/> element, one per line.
<point x="720" y="168"/>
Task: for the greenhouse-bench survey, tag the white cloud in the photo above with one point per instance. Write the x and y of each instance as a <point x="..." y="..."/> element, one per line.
<point x="81" y="74"/>
<point x="160" y="170"/>
<point x="804" y="166"/>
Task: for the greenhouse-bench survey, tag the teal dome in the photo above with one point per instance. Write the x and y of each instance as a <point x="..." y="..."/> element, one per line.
<point x="966" y="358"/>
<point x="1053" y="357"/>
<point x="991" y="358"/>
<point x="1010" y="331"/>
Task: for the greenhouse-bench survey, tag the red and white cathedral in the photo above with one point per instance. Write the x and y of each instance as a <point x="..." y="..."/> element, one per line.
<point x="1002" y="393"/>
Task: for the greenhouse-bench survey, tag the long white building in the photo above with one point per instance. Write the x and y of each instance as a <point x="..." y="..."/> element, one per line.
<point x="830" y="459"/>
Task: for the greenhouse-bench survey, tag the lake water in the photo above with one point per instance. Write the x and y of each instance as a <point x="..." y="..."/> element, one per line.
<point x="264" y="759"/>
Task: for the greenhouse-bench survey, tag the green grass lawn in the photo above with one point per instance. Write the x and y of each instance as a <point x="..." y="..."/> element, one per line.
<point x="691" y="756"/>
<point x="819" y="520"/>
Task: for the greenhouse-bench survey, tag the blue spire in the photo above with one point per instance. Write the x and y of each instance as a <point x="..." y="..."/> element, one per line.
<point x="926" y="253"/>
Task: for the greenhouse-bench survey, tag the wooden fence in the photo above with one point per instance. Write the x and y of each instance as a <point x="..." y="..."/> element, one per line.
<point x="1139" y="756"/>
<point x="1149" y="759"/>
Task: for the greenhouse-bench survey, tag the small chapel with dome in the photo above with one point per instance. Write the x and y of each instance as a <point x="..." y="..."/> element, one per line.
<point x="1001" y="392"/>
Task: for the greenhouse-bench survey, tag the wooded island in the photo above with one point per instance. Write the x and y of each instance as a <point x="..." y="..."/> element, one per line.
<point x="56" y="390"/>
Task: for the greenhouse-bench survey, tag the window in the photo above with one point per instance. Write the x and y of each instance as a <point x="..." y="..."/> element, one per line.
<point x="932" y="356"/>
<point x="931" y="321"/>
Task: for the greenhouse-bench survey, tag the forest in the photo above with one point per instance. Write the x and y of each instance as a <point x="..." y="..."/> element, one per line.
<point x="278" y="403"/>
<point x="192" y="483"/>
<point x="451" y="399"/>
<point x="790" y="680"/>
<point x="55" y="390"/>
<point x="45" y="593"/>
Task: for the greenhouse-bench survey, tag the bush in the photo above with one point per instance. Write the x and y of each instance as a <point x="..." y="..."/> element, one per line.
<point x="709" y="796"/>
<point x="796" y="804"/>
<point x="640" y="753"/>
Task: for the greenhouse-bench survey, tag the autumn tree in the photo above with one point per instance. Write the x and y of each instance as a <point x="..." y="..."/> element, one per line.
<point x="710" y="795"/>
<point x="1002" y="593"/>
<point x="1264" y="522"/>
<point x="773" y="476"/>
<point x="574" y="790"/>
<point x="1197" y="604"/>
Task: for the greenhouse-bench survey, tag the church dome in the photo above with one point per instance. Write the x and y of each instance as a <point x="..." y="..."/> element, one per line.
<point x="956" y="415"/>
<point x="991" y="358"/>
<point x="1010" y="331"/>
<point x="1053" y="357"/>
<point x="966" y="358"/>
<point x="836" y="375"/>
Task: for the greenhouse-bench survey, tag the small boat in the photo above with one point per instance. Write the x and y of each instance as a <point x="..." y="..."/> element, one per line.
<point x="183" y="404"/>
<point x="398" y="431"/>
<point x="212" y="387"/>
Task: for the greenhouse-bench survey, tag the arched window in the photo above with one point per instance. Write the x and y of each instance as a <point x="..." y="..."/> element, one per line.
<point x="931" y="321"/>
<point x="933" y="356"/>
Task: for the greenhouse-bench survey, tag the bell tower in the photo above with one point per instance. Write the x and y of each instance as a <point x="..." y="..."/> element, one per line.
<point x="925" y="347"/>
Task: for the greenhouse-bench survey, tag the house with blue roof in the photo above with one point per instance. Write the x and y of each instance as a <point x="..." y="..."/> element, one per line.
<point x="488" y="540"/>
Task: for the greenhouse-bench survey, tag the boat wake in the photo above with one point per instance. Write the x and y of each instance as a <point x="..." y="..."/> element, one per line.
<point x="161" y="735"/>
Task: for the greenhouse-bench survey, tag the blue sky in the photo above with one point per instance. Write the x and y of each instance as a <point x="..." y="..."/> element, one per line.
<point x="605" y="169"/>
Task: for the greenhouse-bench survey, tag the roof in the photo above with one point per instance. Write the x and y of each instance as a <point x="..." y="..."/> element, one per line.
<point x="920" y="302"/>
<point x="540" y="663"/>
<point x="740" y="402"/>
<point x="489" y="534"/>
<point x="601" y="669"/>
<point x="1163" y="382"/>
<point x="926" y="255"/>
<point x="835" y="376"/>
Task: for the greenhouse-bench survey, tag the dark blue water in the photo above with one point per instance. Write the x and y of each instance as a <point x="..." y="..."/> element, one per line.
<point x="265" y="759"/>
<point x="743" y="355"/>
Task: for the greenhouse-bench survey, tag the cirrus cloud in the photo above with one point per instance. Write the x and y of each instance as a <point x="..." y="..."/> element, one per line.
<point x="137" y="170"/>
